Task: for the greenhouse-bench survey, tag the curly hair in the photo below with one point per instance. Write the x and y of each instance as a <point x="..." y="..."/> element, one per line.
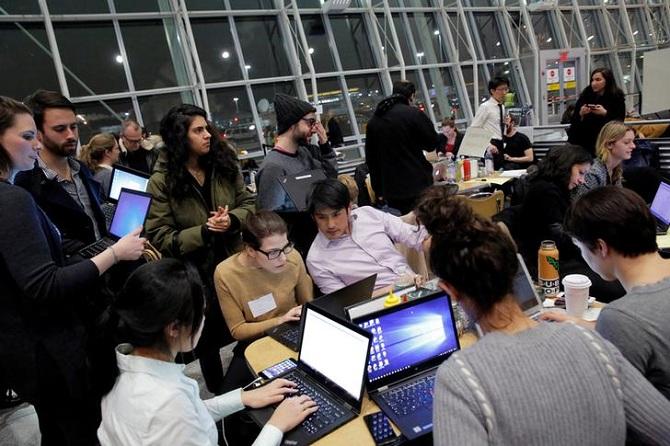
<point x="470" y="253"/>
<point x="221" y="158"/>
<point x="556" y="166"/>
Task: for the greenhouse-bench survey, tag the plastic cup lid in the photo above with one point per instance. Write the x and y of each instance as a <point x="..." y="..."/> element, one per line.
<point x="576" y="281"/>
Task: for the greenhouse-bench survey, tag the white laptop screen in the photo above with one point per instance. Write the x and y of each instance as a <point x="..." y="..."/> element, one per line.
<point x="129" y="180"/>
<point x="660" y="207"/>
<point x="335" y="351"/>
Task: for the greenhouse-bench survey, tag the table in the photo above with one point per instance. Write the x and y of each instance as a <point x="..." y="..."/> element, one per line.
<point x="482" y="181"/>
<point x="265" y="352"/>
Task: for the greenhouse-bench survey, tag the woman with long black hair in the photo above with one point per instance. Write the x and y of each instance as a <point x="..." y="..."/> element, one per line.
<point x="200" y="204"/>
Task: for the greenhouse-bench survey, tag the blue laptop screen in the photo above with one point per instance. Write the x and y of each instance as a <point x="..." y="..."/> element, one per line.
<point x="131" y="211"/>
<point x="660" y="207"/>
<point x="413" y="334"/>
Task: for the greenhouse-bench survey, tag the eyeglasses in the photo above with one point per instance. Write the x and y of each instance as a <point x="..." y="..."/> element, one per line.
<point x="311" y="121"/>
<point x="275" y="253"/>
<point x="133" y="141"/>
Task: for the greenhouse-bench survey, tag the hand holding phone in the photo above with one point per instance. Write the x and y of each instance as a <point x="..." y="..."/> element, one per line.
<point x="380" y="428"/>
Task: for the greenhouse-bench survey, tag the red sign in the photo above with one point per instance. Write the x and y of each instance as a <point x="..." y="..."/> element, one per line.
<point x="563" y="56"/>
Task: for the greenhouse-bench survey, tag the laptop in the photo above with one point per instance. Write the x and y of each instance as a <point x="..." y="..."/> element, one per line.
<point x="131" y="211"/>
<point x="122" y="177"/>
<point x="334" y="380"/>
<point x="299" y="186"/>
<point x="409" y="343"/>
<point x="525" y="292"/>
<point x="334" y="303"/>
<point x="660" y="208"/>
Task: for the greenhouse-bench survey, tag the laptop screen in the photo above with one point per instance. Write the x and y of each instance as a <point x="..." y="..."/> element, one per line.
<point x="335" y="302"/>
<point x="409" y="338"/>
<point x="131" y="212"/>
<point x="127" y="178"/>
<point x="660" y="207"/>
<point x="523" y="288"/>
<point x="336" y="351"/>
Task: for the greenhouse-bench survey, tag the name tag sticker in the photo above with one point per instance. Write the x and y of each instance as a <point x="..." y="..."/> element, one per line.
<point x="262" y="305"/>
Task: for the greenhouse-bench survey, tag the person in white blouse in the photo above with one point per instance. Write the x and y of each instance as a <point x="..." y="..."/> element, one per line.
<point x="148" y="400"/>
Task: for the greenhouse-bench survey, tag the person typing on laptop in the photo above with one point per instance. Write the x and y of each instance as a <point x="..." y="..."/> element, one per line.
<point x="355" y="243"/>
<point x="262" y="286"/>
<point x="147" y="398"/>
<point x="524" y="382"/>
<point x="615" y="231"/>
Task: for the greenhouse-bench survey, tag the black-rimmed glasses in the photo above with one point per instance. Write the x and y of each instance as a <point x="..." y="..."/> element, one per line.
<point x="311" y="121"/>
<point x="275" y="253"/>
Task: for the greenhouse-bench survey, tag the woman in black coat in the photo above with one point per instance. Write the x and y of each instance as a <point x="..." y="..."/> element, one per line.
<point x="42" y="339"/>
<point x="602" y="101"/>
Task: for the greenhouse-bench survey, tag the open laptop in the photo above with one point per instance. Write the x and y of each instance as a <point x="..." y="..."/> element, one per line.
<point x="299" y="186"/>
<point x="660" y="208"/>
<point x="123" y="177"/>
<point x="334" y="303"/>
<point x="331" y="370"/>
<point x="409" y="343"/>
<point x="525" y="292"/>
<point x="131" y="211"/>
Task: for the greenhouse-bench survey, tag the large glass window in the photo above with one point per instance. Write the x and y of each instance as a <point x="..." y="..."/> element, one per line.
<point x="19" y="7"/>
<point x="154" y="107"/>
<point x="262" y="46"/>
<point x="317" y="44"/>
<point x="595" y="35"/>
<point x="217" y="54"/>
<point x="427" y="38"/>
<point x="545" y="34"/>
<point x="90" y="52"/>
<point x="104" y="116"/>
<point x="333" y="103"/>
<point x="459" y="36"/>
<point x="264" y="97"/>
<point x="77" y="7"/>
<point x="365" y="92"/>
<point x="30" y="66"/>
<point x="491" y="41"/>
<point x="352" y="41"/>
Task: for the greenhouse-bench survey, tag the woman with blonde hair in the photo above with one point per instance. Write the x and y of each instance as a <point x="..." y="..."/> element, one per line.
<point x="614" y="145"/>
<point x="101" y="152"/>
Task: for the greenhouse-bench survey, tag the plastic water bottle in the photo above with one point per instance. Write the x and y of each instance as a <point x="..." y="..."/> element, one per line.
<point x="451" y="168"/>
<point x="488" y="162"/>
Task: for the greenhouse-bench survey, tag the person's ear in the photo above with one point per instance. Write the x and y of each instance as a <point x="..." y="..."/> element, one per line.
<point x="172" y="330"/>
<point x="601" y="248"/>
<point x="449" y="289"/>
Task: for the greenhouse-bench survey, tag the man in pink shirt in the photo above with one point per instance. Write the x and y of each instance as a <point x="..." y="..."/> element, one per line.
<point x="355" y="243"/>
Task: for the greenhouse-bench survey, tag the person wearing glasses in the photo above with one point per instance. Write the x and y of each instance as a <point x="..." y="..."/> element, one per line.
<point x="133" y="152"/>
<point x="490" y="116"/>
<point x="292" y="153"/>
<point x="260" y="287"/>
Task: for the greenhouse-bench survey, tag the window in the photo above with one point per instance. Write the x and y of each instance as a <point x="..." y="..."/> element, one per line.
<point x="217" y="54"/>
<point x="264" y="98"/>
<point x="352" y="40"/>
<point x="262" y="46"/>
<point x="317" y="44"/>
<point x="103" y="116"/>
<point x="365" y="92"/>
<point x="153" y="108"/>
<point x="231" y="113"/>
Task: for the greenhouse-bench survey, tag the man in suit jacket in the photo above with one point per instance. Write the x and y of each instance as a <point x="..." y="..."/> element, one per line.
<point x="61" y="185"/>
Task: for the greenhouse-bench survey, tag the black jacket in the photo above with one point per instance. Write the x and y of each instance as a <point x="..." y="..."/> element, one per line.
<point x="584" y="132"/>
<point x="395" y="138"/>
<point x="75" y="226"/>
<point x="39" y="297"/>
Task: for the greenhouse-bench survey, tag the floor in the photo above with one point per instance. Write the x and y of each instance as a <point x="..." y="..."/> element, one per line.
<point x="18" y="425"/>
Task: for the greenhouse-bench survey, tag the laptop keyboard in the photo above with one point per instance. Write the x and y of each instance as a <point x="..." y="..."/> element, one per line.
<point x="410" y="397"/>
<point x="328" y="413"/>
<point x="290" y="336"/>
<point x="108" y="212"/>
<point x="94" y="249"/>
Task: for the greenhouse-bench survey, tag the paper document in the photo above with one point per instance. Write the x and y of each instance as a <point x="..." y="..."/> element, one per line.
<point x="513" y="173"/>
<point x="475" y="142"/>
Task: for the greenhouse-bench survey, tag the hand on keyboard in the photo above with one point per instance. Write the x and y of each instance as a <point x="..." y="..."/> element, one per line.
<point x="272" y="393"/>
<point x="291" y="412"/>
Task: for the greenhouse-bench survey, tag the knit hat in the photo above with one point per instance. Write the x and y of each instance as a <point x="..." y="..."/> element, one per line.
<point x="290" y="110"/>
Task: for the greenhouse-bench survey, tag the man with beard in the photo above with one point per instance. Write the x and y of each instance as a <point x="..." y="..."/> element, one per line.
<point x="62" y="186"/>
<point x="292" y="153"/>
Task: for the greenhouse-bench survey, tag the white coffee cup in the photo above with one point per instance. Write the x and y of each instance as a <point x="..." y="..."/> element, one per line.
<point x="576" y="287"/>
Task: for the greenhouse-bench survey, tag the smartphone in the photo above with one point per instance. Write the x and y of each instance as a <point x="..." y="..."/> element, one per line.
<point x="278" y="369"/>
<point x="380" y="428"/>
<point x="592" y="106"/>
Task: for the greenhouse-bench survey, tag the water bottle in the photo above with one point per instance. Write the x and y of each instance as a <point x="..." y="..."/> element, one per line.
<point x="488" y="162"/>
<point x="451" y="168"/>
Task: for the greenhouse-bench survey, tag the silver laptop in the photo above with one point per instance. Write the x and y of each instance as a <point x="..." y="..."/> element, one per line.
<point x="524" y="291"/>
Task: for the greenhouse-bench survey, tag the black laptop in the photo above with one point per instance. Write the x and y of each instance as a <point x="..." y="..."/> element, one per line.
<point x="130" y="212"/>
<point x="409" y="343"/>
<point x="122" y="177"/>
<point x="334" y="303"/>
<point x="335" y="381"/>
<point x="660" y="208"/>
<point x="299" y="186"/>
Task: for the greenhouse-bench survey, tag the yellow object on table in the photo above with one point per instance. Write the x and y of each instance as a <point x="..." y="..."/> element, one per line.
<point x="391" y="300"/>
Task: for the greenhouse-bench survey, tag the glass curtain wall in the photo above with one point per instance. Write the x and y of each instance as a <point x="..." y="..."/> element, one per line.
<point x="119" y="59"/>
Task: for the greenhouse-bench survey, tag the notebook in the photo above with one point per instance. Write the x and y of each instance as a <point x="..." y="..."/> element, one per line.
<point x="334" y="303"/>
<point x="524" y="291"/>
<point x="122" y="177"/>
<point x="299" y="186"/>
<point x="409" y="343"/>
<point x="660" y="208"/>
<point x="335" y="381"/>
<point x="131" y="211"/>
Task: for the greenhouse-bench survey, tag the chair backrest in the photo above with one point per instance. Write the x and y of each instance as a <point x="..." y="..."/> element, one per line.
<point x="487" y="204"/>
<point x="368" y="186"/>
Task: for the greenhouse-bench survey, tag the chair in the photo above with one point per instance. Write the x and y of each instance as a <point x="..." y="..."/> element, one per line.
<point x="371" y="192"/>
<point x="487" y="204"/>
